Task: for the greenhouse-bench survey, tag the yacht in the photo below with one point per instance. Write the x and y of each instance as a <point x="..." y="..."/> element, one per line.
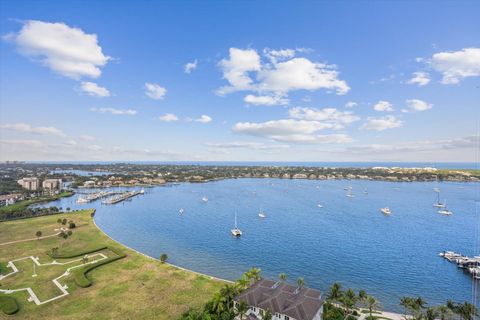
<point x="82" y="200"/>
<point x="445" y="211"/>
<point x="235" y="231"/>
<point x="386" y="211"/>
<point x="438" y="204"/>
<point x="319" y="205"/>
<point x="205" y="199"/>
<point x="262" y="214"/>
<point x="181" y="211"/>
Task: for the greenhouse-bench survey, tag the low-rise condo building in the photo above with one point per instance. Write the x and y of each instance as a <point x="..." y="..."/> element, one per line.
<point x="284" y="301"/>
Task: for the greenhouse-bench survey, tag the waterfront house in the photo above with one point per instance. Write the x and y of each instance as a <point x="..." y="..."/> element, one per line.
<point x="284" y="301"/>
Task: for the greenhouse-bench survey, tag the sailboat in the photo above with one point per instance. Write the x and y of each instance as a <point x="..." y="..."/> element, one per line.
<point x="205" y="199"/>
<point x="262" y="214"/>
<point x="438" y="204"/>
<point x="181" y="210"/>
<point x="349" y="193"/>
<point x="445" y="211"/>
<point x="235" y="231"/>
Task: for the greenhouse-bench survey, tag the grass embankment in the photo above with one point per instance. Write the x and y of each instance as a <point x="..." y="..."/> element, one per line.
<point x="134" y="287"/>
<point x="14" y="211"/>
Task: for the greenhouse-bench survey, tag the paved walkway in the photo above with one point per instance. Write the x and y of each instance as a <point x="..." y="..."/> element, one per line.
<point x="37" y="238"/>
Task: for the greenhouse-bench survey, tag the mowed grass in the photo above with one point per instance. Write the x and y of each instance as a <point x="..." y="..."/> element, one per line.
<point x="135" y="287"/>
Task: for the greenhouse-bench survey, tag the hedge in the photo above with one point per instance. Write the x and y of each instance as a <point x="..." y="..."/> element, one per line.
<point x="81" y="278"/>
<point x="77" y="254"/>
<point x="8" y="305"/>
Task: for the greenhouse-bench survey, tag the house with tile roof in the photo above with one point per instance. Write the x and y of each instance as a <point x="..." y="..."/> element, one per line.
<point x="284" y="301"/>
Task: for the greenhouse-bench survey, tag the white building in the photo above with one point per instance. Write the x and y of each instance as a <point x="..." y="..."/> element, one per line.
<point x="52" y="184"/>
<point x="284" y="301"/>
<point x="29" y="183"/>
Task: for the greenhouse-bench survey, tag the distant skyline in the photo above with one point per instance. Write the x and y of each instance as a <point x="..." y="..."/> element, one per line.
<point x="240" y="81"/>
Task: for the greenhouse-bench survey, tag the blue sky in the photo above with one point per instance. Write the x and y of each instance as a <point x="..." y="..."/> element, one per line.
<point x="284" y="81"/>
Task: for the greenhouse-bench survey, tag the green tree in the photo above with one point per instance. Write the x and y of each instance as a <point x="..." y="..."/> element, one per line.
<point x="242" y="309"/>
<point x="300" y="283"/>
<point x="444" y="312"/>
<point x="266" y="314"/>
<point x="283" y="277"/>
<point x="163" y="258"/>
<point x="406" y="303"/>
<point x="362" y="296"/>
<point x="38" y="234"/>
<point x="372" y="303"/>
<point x="431" y="313"/>
<point x="466" y="311"/>
<point x="335" y="292"/>
<point x="348" y="300"/>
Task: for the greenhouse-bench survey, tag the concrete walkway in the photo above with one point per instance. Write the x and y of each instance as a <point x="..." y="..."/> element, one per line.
<point x="38" y="238"/>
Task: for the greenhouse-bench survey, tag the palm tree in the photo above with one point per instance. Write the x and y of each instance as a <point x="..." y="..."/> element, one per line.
<point x="266" y="314"/>
<point x="444" y="312"/>
<point x="283" y="277"/>
<point x="362" y="296"/>
<point x="163" y="258"/>
<point x="467" y="311"/>
<point x="406" y="303"/>
<point x="242" y="309"/>
<point x="242" y="283"/>
<point x="335" y="292"/>
<point x="372" y="303"/>
<point x="218" y="303"/>
<point x="300" y="283"/>
<point x="254" y="274"/>
<point x="431" y="314"/>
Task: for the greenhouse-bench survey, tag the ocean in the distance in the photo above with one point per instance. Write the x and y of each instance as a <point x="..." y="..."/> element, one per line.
<point x="347" y="241"/>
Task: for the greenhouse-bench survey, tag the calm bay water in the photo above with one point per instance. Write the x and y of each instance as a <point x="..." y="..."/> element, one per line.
<point x="347" y="241"/>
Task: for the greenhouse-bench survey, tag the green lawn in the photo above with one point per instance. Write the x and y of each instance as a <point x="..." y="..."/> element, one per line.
<point x="135" y="287"/>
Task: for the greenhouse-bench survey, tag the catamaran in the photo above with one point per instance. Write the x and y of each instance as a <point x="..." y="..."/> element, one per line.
<point x="438" y="204"/>
<point x="386" y="211"/>
<point x="235" y="231"/>
<point x="445" y="211"/>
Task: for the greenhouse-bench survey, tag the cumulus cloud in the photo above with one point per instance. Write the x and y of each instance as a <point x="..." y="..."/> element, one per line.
<point x="168" y="117"/>
<point x="203" y="119"/>
<point x="282" y="73"/>
<point x="94" y="90"/>
<point x="418" y="105"/>
<point x="457" y="65"/>
<point x="420" y="79"/>
<point x="265" y="100"/>
<point x="86" y="137"/>
<point x="382" y="106"/>
<point x="381" y="123"/>
<point x="190" y="66"/>
<point x="121" y="112"/>
<point x="351" y="104"/>
<point x="26" y="128"/>
<point x="65" y="50"/>
<point x="155" y="91"/>
<point x="334" y="118"/>
<point x="290" y="130"/>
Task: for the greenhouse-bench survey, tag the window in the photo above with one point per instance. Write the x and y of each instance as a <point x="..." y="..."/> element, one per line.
<point x="287" y="318"/>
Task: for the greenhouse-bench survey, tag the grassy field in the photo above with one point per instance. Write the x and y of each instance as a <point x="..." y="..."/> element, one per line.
<point x="135" y="287"/>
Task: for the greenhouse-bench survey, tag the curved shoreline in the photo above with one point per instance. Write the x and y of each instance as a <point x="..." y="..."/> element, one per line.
<point x="155" y="259"/>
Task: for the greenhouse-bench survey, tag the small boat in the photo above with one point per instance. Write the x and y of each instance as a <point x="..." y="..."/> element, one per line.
<point x="142" y="191"/>
<point x="365" y="191"/>
<point x="82" y="200"/>
<point x="445" y="211"/>
<point x="181" y="211"/>
<point x="349" y="193"/>
<point x="262" y="214"/>
<point x="319" y="205"/>
<point x="438" y="204"/>
<point x="205" y="199"/>
<point x="235" y="231"/>
<point x="386" y="211"/>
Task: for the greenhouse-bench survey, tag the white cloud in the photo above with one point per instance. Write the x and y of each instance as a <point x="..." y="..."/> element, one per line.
<point x="382" y="123"/>
<point x="155" y="91"/>
<point x="94" y="90"/>
<point x="236" y="68"/>
<point x="168" y="117"/>
<point x="281" y="74"/>
<point x="382" y="106"/>
<point x="18" y="143"/>
<point x="204" y="119"/>
<point x="265" y="100"/>
<point x="126" y="112"/>
<point x="65" y="50"/>
<point x="331" y="116"/>
<point x="351" y="104"/>
<point x="291" y="130"/>
<point x="247" y="145"/>
<point x="418" y="105"/>
<point x="86" y="137"/>
<point x="190" y="66"/>
<point x="457" y="65"/>
<point x="419" y="78"/>
<point x="26" y="128"/>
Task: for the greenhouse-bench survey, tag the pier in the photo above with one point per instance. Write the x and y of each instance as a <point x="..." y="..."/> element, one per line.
<point x="470" y="264"/>
<point x="94" y="196"/>
<point x="123" y="196"/>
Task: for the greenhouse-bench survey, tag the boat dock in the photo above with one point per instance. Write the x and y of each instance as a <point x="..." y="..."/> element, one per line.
<point x="470" y="264"/>
<point x="123" y="196"/>
<point x="94" y="196"/>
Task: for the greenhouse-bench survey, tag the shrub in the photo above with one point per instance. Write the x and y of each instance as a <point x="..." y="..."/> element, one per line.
<point x="163" y="258"/>
<point x="69" y="232"/>
<point x="64" y="221"/>
<point x="71" y="224"/>
<point x="38" y="234"/>
<point x="8" y="305"/>
<point x="59" y="220"/>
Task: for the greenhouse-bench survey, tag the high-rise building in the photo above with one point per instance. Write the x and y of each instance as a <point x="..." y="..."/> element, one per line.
<point x="52" y="184"/>
<point x="29" y="183"/>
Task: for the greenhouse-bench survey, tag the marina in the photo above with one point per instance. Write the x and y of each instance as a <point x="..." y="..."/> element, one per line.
<point x="470" y="264"/>
<point x="123" y="196"/>
<point x="88" y="197"/>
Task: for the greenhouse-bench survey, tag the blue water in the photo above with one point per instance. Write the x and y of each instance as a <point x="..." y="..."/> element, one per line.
<point x="348" y="240"/>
